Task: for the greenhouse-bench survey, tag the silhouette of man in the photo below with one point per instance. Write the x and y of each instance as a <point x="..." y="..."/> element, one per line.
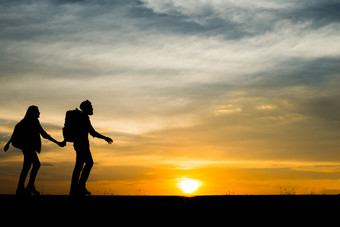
<point x="82" y="147"/>
<point x="26" y="136"/>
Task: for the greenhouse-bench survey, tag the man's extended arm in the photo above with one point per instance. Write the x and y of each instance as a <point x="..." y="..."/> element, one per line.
<point x="94" y="133"/>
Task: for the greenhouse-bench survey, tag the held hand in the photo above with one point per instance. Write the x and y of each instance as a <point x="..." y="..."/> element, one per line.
<point x="108" y="140"/>
<point x="62" y="144"/>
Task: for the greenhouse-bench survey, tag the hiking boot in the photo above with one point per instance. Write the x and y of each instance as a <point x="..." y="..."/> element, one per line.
<point x="86" y="192"/>
<point x="83" y="190"/>
<point x="30" y="189"/>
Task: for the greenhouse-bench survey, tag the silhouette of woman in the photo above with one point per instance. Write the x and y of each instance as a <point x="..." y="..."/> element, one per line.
<point x="26" y="136"/>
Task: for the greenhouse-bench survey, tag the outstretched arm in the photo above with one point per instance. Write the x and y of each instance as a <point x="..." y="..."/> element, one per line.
<point x="61" y="144"/>
<point x="94" y="133"/>
<point x="47" y="136"/>
<point x="107" y="139"/>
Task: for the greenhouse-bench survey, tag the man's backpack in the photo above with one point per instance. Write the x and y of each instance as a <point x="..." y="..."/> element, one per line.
<point x="71" y="126"/>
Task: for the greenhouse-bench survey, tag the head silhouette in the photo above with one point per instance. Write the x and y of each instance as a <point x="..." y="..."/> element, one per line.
<point x="86" y="107"/>
<point x="32" y="112"/>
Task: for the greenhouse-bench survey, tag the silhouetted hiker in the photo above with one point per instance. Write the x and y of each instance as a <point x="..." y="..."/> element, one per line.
<point x="26" y="136"/>
<point x="76" y="130"/>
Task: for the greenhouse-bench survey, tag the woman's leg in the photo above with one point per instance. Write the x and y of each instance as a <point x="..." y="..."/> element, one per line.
<point x="25" y="168"/>
<point x="34" y="171"/>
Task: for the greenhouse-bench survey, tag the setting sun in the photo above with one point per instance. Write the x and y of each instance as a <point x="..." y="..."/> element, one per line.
<point x="188" y="185"/>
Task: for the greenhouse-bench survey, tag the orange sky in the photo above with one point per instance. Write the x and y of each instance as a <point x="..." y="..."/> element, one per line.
<point x="241" y="96"/>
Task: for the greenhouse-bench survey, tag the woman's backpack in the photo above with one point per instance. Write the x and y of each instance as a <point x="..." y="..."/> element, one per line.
<point x="18" y="136"/>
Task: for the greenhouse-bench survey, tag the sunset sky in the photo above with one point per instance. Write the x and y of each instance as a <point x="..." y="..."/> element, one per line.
<point x="242" y="96"/>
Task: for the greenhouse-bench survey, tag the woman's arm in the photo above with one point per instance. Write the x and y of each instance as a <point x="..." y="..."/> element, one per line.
<point x="45" y="135"/>
<point x="7" y="145"/>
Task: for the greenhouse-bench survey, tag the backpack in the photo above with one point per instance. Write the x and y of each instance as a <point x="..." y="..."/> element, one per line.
<point x="71" y="126"/>
<point x="18" y="136"/>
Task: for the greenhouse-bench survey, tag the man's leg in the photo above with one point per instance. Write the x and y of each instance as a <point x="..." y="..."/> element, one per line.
<point x="75" y="176"/>
<point x="85" y="174"/>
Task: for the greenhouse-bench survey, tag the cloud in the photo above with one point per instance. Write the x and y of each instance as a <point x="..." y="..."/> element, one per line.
<point x="119" y="61"/>
<point x="236" y="19"/>
<point x="91" y="39"/>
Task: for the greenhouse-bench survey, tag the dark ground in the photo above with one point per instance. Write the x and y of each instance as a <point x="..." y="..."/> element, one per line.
<point x="274" y="210"/>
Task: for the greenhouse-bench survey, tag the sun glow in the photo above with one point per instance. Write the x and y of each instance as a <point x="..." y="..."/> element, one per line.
<point x="188" y="185"/>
